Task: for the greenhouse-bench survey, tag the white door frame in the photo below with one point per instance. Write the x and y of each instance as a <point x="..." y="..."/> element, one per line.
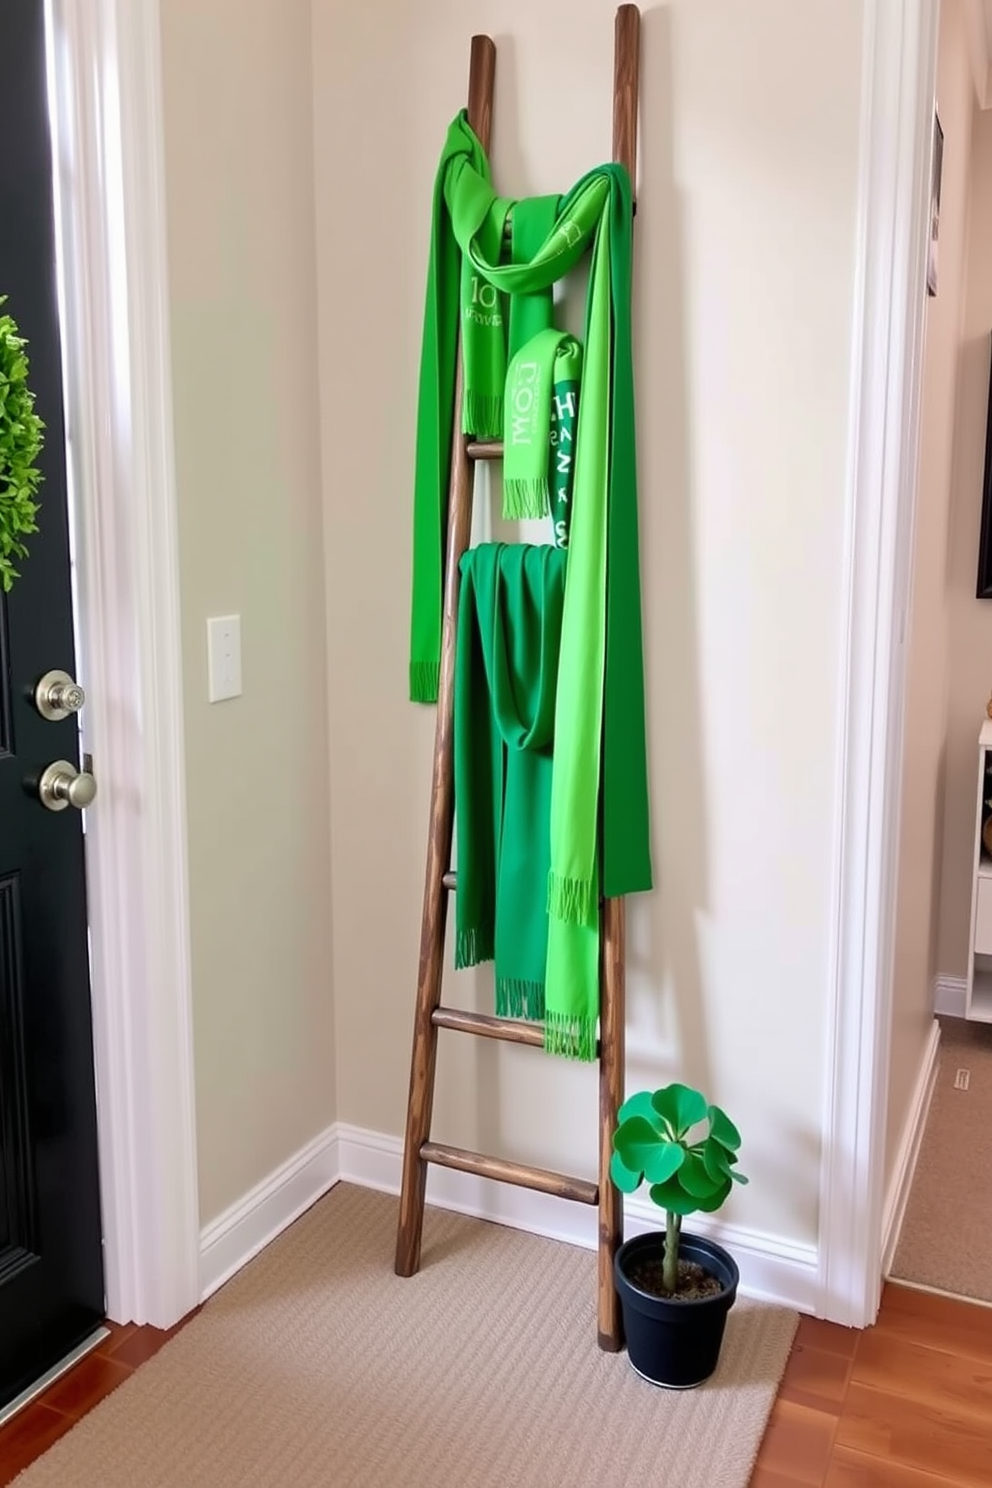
<point x="887" y="347"/>
<point x="119" y="375"/>
<point x="106" y="72"/>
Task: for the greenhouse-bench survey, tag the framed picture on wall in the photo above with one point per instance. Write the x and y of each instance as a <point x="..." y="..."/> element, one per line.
<point x="937" y="168"/>
<point x="984" y="589"/>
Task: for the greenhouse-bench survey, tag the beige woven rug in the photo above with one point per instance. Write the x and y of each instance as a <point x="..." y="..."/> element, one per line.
<point x="316" y="1367"/>
<point x="946" y="1236"/>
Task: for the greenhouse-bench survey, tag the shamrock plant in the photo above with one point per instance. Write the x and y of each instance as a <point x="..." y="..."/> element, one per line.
<point x="652" y="1143"/>
<point x="21" y="438"/>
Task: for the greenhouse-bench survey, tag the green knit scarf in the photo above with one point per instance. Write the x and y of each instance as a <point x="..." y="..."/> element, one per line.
<point x="506" y="665"/>
<point x="547" y="360"/>
<point x="600" y="755"/>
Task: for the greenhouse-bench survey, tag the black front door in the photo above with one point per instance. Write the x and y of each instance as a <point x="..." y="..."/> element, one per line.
<point x="51" y="1263"/>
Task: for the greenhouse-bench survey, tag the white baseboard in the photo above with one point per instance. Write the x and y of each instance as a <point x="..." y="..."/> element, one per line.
<point x="950" y="996"/>
<point x="771" y="1268"/>
<point x="238" y="1234"/>
<point x="909" y="1149"/>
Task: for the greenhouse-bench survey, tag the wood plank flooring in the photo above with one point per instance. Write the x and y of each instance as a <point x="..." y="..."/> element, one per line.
<point x="905" y="1404"/>
<point x="35" y="1428"/>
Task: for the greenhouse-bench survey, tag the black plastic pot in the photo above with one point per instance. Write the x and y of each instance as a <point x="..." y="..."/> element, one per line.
<point x="675" y="1344"/>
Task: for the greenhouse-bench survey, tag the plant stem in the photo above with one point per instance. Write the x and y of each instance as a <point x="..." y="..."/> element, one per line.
<point x="670" y="1265"/>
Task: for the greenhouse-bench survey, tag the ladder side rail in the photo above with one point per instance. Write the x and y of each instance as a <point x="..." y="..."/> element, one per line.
<point x="423" y="1063"/>
<point x="612" y="1056"/>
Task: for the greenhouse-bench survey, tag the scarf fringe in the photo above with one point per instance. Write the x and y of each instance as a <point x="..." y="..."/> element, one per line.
<point x="570" y="899"/>
<point x="571" y="1035"/>
<point x="425" y="678"/>
<point x="473" y="946"/>
<point x="523" y="499"/>
<point x="483" y="415"/>
<point x="517" y="998"/>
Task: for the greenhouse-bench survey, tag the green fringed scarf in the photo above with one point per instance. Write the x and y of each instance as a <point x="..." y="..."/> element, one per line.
<point x="544" y="363"/>
<point x="600" y="755"/>
<point x="506" y="666"/>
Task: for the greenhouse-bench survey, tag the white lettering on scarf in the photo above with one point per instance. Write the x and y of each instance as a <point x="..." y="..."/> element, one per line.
<point x="523" y="402"/>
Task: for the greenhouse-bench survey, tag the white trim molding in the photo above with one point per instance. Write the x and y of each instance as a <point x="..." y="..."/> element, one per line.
<point x="901" y="1182"/>
<point x="950" y="996"/>
<point x="108" y="105"/>
<point x="238" y="1234"/>
<point x="887" y="342"/>
<point x="774" y="1269"/>
<point x="771" y="1268"/>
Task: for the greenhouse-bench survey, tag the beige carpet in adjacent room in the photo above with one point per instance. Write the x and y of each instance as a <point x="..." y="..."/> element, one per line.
<point x="317" y="1366"/>
<point x="946" y="1236"/>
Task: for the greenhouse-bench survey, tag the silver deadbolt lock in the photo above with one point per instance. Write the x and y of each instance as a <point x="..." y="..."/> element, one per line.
<point x="57" y="695"/>
<point x="63" y="785"/>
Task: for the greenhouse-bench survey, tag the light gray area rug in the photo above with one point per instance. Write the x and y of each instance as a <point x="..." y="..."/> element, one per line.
<point x="946" y="1236"/>
<point x="318" y="1366"/>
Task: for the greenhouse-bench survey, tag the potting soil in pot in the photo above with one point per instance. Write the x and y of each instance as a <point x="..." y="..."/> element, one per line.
<point x="645" y="1271"/>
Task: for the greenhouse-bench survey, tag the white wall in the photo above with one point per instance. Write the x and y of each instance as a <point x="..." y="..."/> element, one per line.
<point x="744" y="250"/>
<point x="239" y="160"/>
<point x="928" y="674"/>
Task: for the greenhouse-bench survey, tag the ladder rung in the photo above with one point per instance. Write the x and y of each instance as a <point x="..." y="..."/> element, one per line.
<point x="450" y="881"/>
<point x="488" y="1027"/>
<point x="485" y="449"/>
<point x="579" y="1189"/>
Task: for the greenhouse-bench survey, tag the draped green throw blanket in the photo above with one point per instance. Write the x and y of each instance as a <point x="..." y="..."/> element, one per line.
<point x="597" y="808"/>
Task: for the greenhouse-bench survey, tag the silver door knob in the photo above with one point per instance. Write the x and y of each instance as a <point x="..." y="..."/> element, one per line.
<point x="63" y="785"/>
<point x="57" y="695"/>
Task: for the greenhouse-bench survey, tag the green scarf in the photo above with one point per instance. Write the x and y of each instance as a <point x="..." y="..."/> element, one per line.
<point x="542" y="363"/>
<point x="455" y="295"/>
<point x="530" y="223"/>
<point x="510" y="610"/>
<point x="564" y="417"/>
<point x="600" y="756"/>
<point x="460" y="294"/>
<point x="506" y="664"/>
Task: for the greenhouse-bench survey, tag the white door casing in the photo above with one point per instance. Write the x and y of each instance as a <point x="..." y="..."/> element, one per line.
<point x="899" y="67"/>
<point x="106" y="76"/>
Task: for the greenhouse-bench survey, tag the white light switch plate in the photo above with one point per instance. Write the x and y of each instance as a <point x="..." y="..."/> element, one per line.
<point x="223" y="657"/>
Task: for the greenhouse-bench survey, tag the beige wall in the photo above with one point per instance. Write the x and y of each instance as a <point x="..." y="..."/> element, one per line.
<point x="969" y="651"/>
<point x="744" y="248"/>
<point x="239" y="159"/>
<point x="928" y="675"/>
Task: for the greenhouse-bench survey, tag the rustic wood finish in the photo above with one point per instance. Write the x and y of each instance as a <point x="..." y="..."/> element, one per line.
<point x="486" y="1026"/>
<point x="580" y="1190"/>
<point x="430" y="1016"/>
<point x="482" y="69"/>
<point x="626" y="74"/>
<point x="613" y="1012"/>
<point x="612" y="1018"/>
<point x="486" y="449"/>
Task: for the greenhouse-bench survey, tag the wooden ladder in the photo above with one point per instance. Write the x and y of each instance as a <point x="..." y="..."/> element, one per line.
<point x="419" y="1150"/>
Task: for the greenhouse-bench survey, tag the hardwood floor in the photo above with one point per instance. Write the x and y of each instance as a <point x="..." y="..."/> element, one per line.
<point x="905" y="1404"/>
<point x="34" y="1429"/>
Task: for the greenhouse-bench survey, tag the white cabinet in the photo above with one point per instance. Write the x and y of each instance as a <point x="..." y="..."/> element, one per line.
<point x="979" y="1001"/>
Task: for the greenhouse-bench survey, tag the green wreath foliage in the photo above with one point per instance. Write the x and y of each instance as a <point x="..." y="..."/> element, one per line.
<point x="21" y="440"/>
